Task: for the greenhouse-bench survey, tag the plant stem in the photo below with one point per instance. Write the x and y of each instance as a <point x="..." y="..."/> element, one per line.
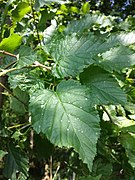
<point x="7" y="53"/>
<point x="35" y="64"/>
<point x="18" y="125"/>
<point x="51" y="167"/>
<point x="105" y="110"/>
<point x="34" y="20"/>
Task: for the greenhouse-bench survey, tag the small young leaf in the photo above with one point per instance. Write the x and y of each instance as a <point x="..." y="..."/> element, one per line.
<point x="11" y="43"/>
<point x="86" y="7"/>
<point x="19" y="12"/>
<point x="67" y="119"/>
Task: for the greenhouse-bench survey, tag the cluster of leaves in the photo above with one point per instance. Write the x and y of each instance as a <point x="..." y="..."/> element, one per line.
<point x="71" y="84"/>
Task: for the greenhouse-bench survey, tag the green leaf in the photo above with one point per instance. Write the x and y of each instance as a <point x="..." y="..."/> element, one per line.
<point x="2" y="154"/>
<point x="86" y="23"/>
<point x="85" y="7"/>
<point x="26" y="56"/>
<point x="103" y="87"/>
<point x="19" y="12"/>
<point x="123" y="38"/>
<point x="22" y="177"/>
<point x="90" y="178"/>
<point x="25" y="82"/>
<point x="128" y="142"/>
<point x="125" y="124"/>
<point x="50" y="32"/>
<point x="72" y="54"/>
<point x="15" y="161"/>
<point x="19" y="102"/>
<point x="66" y="118"/>
<point x="117" y="59"/>
<point x="74" y="9"/>
<point x="102" y="166"/>
<point x="45" y="15"/>
<point x="40" y="3"/>
<point x="11" y="43"/>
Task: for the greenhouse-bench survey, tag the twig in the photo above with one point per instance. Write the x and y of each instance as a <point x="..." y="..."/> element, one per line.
<point x="11" y="64"/>
<point x="19" y="125"/>
<point x="35" y="64"/>
<point x="104" y="109"/>
<point x="31" y="139"/>
<point x="50" y="167"/>
<point x="7" y="53"/>
<point x="56" y="172"/>
<point x="4" y="72"/>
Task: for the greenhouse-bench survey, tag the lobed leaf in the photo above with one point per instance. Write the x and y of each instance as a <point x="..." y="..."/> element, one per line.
<point x="66" y="118"/>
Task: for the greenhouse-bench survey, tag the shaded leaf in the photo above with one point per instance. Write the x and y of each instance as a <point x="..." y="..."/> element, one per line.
<point x="67" y="119"/>
<point x="90" y="178"/>
<point x="26" y="56"/>
<point x="42" y="146"/>
<point x="15" y="161"/>
<point x="128" y="142"/>
<point x="19" y="103"/>
<point x="103" y="87"/>
<point x="2" y="154"/>
<point x="102" y="166"/>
